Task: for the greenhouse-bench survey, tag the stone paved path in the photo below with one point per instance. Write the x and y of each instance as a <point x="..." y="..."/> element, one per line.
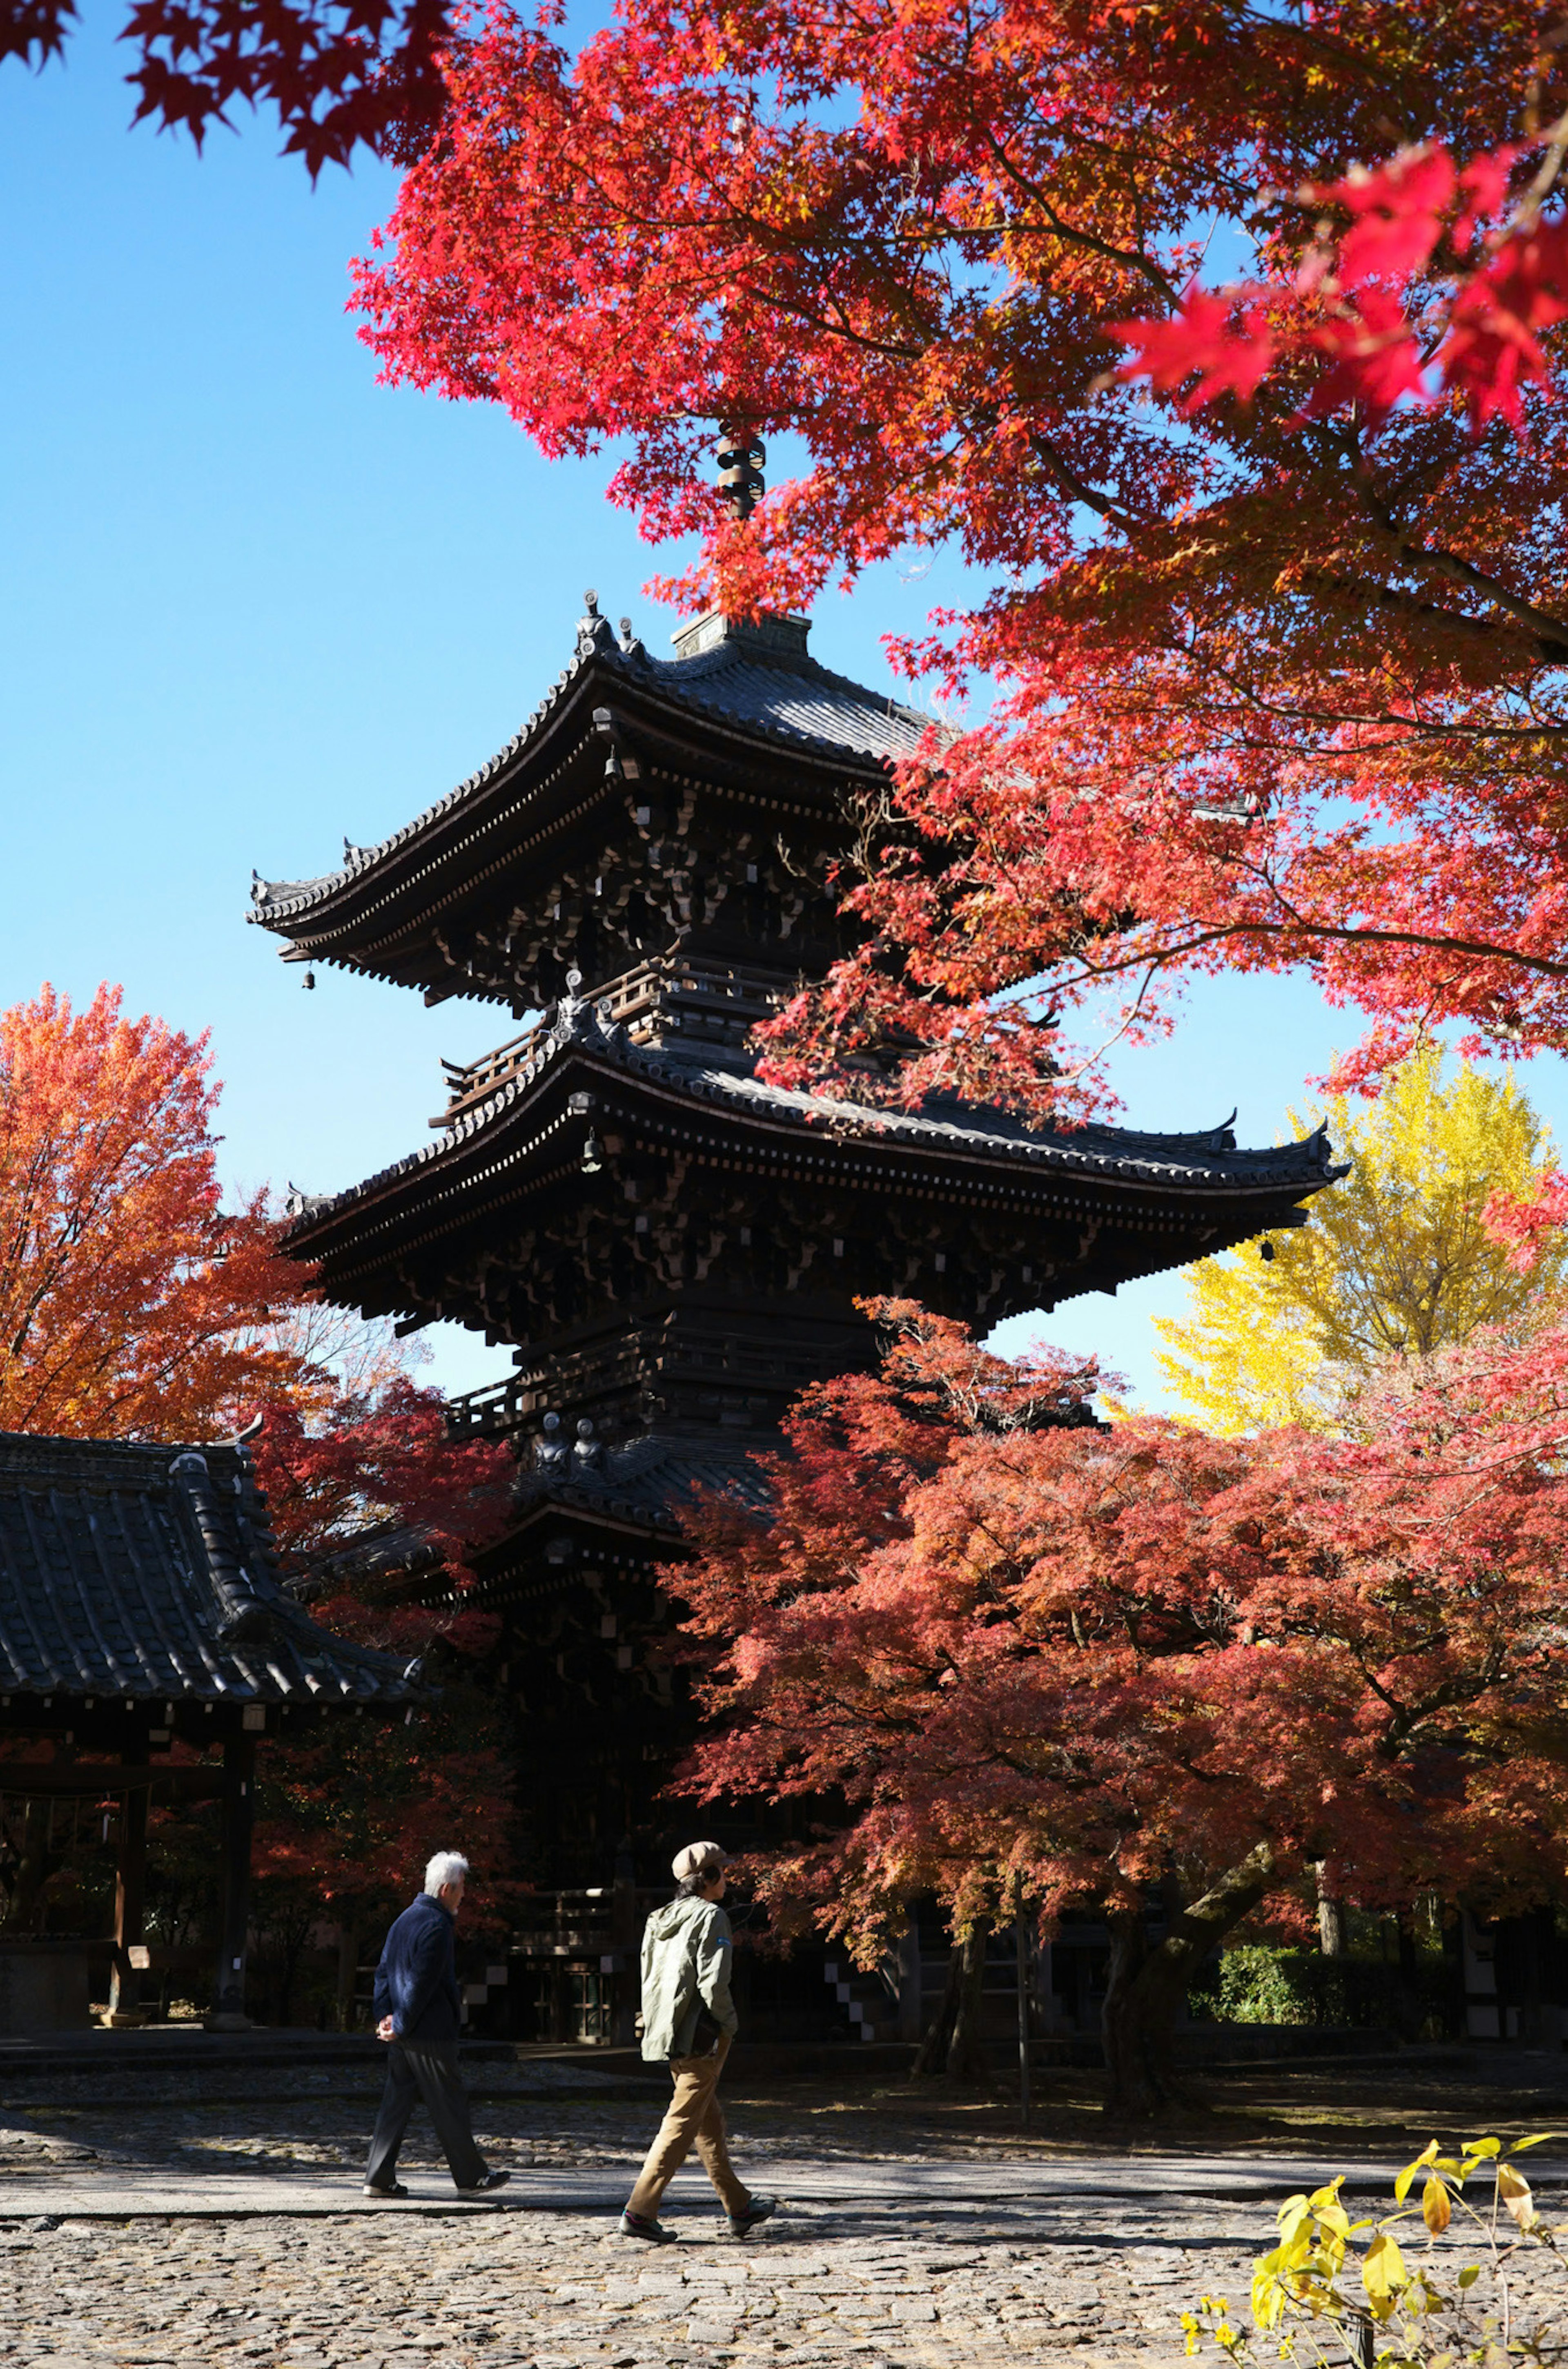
<point x="180" y="2234"/>
<point x="943" y="2284"/>
<point x="911" y="2266"/>
<point x="878" y="2285"/>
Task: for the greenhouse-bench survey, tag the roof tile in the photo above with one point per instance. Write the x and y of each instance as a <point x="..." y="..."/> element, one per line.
<point x="150" y="1574"/>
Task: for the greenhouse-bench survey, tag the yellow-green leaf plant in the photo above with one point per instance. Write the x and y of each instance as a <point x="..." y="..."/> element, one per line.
<point x="1320" y="2297"/>
<point x="1395" y="1261"/>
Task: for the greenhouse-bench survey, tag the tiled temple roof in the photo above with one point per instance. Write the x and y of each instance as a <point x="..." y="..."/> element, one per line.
<point x="150" y="1574"/>
<point x="761" y="679"/>
<point x="1206" y="1161"/>
<point x="787" y="694"/>
<point x="648" y="1479"/>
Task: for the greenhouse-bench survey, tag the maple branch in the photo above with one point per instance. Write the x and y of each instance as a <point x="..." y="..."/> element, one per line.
<point x="1370" y="591"/>
<point x="1328" y="932"/>
<point x="1546" y="175"/>
<point x="1551" y="633"/>
<point x="1133" y="259"/>
<point x="1072" y="482"/>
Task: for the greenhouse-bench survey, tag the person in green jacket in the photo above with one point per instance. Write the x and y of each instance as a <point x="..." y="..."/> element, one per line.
<point x="688" y="2022"/>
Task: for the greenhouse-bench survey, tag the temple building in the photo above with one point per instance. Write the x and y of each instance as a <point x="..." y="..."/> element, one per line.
<point x="144" y="1623"/>
<point x="670" y="1247"/>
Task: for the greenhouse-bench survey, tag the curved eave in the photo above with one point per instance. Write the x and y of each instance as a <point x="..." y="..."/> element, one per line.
<point x="487" y="1158"/>
<point x="434" y="863"/>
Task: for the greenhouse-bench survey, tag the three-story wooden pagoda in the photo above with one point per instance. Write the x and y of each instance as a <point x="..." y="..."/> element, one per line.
<point x="671" y="1247"/>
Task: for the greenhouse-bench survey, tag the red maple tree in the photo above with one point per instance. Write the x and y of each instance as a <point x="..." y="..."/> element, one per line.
<point x="338" y="74"/>
<point x="1048" y="1667"/>
<point x="1280" y="620"/>
<point x="377" y="1508"/>
<point x="373" y="1481"/>
<point x="349" y="1815"/>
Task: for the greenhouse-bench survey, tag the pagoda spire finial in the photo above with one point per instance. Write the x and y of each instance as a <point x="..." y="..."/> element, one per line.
<point x="740" y="458"/>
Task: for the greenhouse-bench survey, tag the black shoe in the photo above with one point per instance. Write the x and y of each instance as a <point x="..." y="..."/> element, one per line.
<point x="762" y="2208"/>
<point x="652" y="2232"/>
<point x="482" y="2187"/>
<point x="396" y="2189"/>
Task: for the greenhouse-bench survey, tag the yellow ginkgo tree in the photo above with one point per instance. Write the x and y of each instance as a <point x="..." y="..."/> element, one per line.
<point x="1395" y="1261"/>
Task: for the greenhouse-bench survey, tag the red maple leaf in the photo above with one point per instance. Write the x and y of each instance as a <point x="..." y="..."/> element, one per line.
<point x="1485" y="185"/>
<point x="1200" y="337"/>
<point x="1399" y="213"/>
<point x="1374" y="358"/>
<point x="1491" y="352"/>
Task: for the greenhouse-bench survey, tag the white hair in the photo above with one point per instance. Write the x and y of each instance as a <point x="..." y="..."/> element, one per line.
<point x="447" y="1867"/>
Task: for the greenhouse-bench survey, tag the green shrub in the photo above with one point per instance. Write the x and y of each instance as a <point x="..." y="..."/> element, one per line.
<point x="1260" y="1984"/>
<point x="1256" y="1983"/>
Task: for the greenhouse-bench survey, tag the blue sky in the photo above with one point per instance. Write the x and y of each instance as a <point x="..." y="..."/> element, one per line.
<point x="254" y="603"/>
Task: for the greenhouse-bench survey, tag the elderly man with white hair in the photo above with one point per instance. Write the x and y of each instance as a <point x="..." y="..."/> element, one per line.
<point x="417" y="2010"/>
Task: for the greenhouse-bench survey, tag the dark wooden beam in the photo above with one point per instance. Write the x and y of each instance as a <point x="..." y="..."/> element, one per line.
<point x="44" y="1780"/>
<point x="239" y="1818"/>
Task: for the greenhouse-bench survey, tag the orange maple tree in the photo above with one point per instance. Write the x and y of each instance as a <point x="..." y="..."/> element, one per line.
<point x="134" y="1302"/>
<point x="137" y="1303"/>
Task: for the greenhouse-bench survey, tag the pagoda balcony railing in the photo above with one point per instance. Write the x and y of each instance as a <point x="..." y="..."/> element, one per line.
<point x="725" y="999"/>
<point x="693" y="995"/>
<point x="649" y="1355"/>
<point x="490" y="1413"/>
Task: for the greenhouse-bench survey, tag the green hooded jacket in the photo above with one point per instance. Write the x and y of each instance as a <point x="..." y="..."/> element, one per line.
<point x="686" y="1948"/>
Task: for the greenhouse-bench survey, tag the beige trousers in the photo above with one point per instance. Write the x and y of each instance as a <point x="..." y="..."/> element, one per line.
<point x="695" y="2118"/>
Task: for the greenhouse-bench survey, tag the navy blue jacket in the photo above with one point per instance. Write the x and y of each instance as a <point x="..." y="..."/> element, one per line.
<point x="416" y="1983"/>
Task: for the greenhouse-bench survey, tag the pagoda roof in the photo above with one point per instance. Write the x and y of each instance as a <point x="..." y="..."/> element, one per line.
<point x="1260" y="1186"/>
<point x="631" y="1508"/>
<point x="133" y="1572"/>
<point x="652" y="1481"/>
<point x="736" y="690"/>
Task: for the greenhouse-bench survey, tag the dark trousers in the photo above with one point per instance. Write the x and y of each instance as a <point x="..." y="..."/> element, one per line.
<point x="432" y="2074"/>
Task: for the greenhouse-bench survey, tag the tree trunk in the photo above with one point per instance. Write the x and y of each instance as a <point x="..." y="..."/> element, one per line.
<point x="1457" y="2006"/>
<point x="966" y="2056"/>
<point x="348" y="1967"/>
<point x="953" y="2041"/>
<point x="294" y="1932"/>
<point x="1407" y="1995"/>
<point x="1330" y="1917"/>
<point x="1146" y="1987"/>
<point x="933" y="2050"/>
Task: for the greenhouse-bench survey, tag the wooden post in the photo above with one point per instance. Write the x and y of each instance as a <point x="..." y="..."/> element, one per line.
<point x="626" y="1978"/>
<point x="239" y="1816"/>
<point x="1021" y="1941"/>
<point x="130" y="1895"/>
<point x="912" y="1980"/>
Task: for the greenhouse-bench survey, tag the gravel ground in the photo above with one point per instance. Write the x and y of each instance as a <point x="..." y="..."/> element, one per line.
<point x="527" y="2291"/>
